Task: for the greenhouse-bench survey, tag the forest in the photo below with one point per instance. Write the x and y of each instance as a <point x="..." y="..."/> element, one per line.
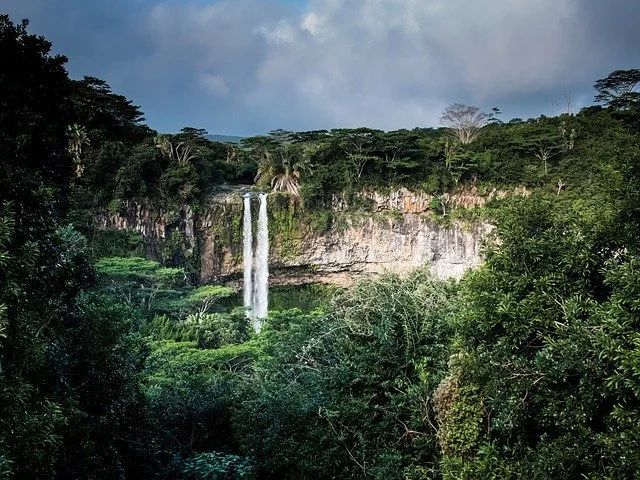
<point x="116" y="365"/>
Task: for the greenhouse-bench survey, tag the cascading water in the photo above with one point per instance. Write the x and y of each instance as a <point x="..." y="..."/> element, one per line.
<point x="261" y="278"/>
<point x="256" y="270"/>
<point x="247" y="255"/>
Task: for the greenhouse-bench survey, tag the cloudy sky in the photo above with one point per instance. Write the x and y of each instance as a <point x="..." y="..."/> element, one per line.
<point x="250" y="66"/>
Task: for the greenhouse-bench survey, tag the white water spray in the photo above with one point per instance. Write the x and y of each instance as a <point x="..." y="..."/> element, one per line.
<point x="256" y="269"/>
<point x="247" y="255"/>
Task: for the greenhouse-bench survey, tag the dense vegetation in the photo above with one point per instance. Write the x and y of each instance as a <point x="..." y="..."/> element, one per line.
<point x="113" y="365"/>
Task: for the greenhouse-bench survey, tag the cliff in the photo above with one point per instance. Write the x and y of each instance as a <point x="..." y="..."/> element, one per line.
<point x="396" y="233"/>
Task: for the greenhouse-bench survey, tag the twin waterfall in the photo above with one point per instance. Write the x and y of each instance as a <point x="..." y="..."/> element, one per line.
<point x="256" y="267"/>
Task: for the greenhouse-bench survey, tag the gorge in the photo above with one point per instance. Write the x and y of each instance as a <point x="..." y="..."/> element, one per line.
<point x="128" y="349"/>
<point x="399" y="234"/>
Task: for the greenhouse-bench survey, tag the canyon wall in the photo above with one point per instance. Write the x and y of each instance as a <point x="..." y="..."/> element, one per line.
<point x="397" y="233"/>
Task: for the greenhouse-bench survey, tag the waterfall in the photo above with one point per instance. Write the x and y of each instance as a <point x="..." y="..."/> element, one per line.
<point x="261" y="278"/>
<point x="247" y="255"/>
<point x="256" y="268"/>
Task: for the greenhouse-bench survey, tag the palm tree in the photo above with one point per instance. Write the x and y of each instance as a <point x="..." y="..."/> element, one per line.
<point x="78" y="139"/>
<point x="288" y="180"/>
<point x="179" y="152"/>
<point x="267" y="167"/>
<point x="282" y="168"/>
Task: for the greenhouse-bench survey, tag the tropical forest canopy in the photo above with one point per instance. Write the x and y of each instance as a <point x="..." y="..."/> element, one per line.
<point x="113" y="365"/>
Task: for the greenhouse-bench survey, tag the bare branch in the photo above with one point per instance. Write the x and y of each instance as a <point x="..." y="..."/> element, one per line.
<point x="465" y="121"/>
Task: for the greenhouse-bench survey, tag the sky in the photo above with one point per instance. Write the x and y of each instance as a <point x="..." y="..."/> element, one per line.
<point x="245" y="67"/>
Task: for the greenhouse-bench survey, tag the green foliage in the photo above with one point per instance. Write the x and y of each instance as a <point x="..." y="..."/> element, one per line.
<point x="178" y="182"/>
<point x="191" y="393"/>
<point x="214" y="330"/>
<point x="307" y="297"/>
<point x="459" y="417"/>
<point x="349" y="391"/>
<point x="172" y="249"/>
<point x="285" y="224"/>
<point x="106" y="425"/>
<point x="209" y="292"/>
<point x="619" y="92"/>
<point x="138" y="268"/>
<point x="170" y="360"/>
<point x="532" y="323"/>
<point x="217" y="466"/>
<point x="42" y="266"/>
<point x="281" y="161"/>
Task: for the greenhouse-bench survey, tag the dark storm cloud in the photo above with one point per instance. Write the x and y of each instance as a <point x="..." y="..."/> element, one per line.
<point x="241" y="66"/>
<point x="96" y="36"/>
<point x="614" y="33"/>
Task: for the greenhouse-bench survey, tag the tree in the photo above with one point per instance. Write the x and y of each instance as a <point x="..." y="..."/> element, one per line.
<point x="105" y="114"/>
<point x="34" y="115"/>
<point x="544" y="141"/>
<point x="282" y="161"/>
<point x="618" y="87"/>
<point x="288" y="180"/>
<point x="401" y="153"/>
<point x="465" y="121"/>
<point x="194" y="133"/>
<point x="544" y="152"/>
<point x="357" y="145"/>
<point x="176" y="151"/>
<point x="548" y="353"/>
<point x="568" y="135"/>
<point x="493" y="117"/>
<point x="618" y="91"/>
<point x="66" y="387"/>
<point x="457" y="160"/>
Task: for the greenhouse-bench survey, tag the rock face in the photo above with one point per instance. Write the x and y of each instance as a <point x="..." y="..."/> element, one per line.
<point x="154" y="225"/>
<point x="398" y="235"/>
<point x="400" y="200"/>
<point x="376" y="245"/>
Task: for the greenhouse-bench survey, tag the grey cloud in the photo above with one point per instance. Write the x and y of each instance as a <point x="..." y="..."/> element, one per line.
<point x="242" y="66"/>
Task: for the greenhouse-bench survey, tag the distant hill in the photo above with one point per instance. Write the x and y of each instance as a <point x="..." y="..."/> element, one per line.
<point x="225" y="138"/>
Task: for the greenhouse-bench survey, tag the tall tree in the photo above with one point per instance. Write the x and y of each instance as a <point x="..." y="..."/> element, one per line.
<point x="106" y="114"/>
<point x="618" y="87"/>
<point x="619" y="91"/>
<point x="465" y="121"/>
<point x="43" y="267"/>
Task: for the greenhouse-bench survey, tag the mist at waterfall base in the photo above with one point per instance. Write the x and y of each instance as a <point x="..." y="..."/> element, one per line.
<point x="256" y="262"/>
